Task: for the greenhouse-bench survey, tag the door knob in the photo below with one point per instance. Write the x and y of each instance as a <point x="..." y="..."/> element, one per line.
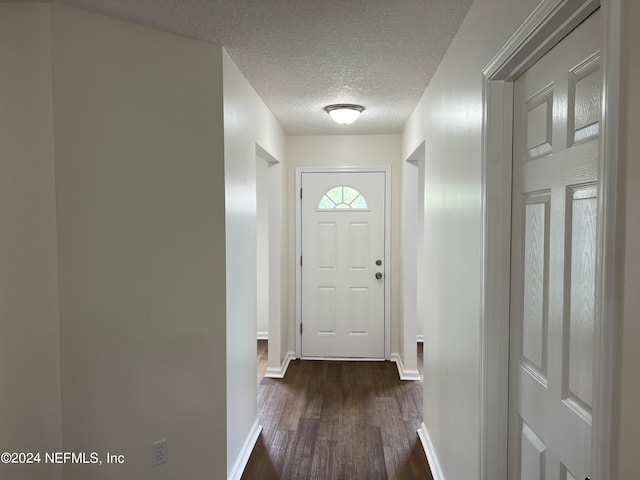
<point x="378" y="275"/>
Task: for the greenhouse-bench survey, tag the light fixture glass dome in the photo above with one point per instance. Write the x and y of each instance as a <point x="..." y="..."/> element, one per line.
<point x="344" y="114"/>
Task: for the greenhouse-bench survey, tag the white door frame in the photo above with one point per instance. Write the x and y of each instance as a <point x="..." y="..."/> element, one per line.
<point x="551" y="21"/>
<point x="413" y="262"/>
<point x="269" y="196"/>
<point x="387" y="247"/>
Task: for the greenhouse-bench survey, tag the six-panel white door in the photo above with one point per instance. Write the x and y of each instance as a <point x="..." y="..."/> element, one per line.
<point x="343" y="219"/>
<point x="556" y="125"/>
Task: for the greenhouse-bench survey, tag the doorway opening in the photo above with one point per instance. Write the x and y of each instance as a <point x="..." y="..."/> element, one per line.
<point x="269" y="257"/>
<point x="413" y="262"/>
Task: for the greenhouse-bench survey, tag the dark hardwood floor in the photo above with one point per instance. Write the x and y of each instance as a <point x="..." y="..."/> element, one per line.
<point x="337" y="420"/>
<point x="263" y="358"/>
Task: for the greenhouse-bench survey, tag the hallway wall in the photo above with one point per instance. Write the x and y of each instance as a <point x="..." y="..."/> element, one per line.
<point x="247" y="123"/>
<point x="138" y="117"/>
<point x="448" y="119"/>
<point x="30" y="410"/>
<point x="138" y="171"/>
<point x="356" y="151"/>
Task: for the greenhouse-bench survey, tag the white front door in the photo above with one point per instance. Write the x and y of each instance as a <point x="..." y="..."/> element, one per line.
<point x="343" y="264"/>
<point x="555" y="163"/>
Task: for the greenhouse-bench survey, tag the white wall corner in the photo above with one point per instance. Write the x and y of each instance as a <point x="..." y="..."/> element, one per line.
<point x="282" y="370"/>
<point x="263" y="335"/>
<point x="403" y="372"/>
<point x="430" y="451"/>
<point x="245" y="452"/>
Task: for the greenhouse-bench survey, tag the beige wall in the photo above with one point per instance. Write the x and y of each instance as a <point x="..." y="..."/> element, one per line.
<point x="140" y="182"/>
<point x="353" y="151"/>
<point x="625" y="461"/>
<point x="29" y="320"/>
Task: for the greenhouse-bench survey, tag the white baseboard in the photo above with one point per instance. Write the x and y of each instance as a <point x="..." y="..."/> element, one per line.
<point x="245" y="452"/>
<point x="420" y="338"/>
<point x="404" y="373"/>
<point x="430" y="451"/>
<point x="263" y="335"/>
<point x="345" y="359"/>
<point x="282" y="370"/>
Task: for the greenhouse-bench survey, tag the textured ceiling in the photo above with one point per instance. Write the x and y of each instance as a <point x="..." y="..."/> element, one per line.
<point x="301" y="55"/>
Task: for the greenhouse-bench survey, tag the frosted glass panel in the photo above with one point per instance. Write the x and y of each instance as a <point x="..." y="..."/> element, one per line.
<point x="326" y="202"/>
<point x="341" y="198"/>
<point x="359" y="202"/>
<point x="335" y="194"/>
<point x="349" y="194"/>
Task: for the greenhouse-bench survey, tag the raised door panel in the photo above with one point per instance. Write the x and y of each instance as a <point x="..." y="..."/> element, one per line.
<point x="535" y="286"/>
<point x="579" y="322"/>
<point x="358" y="258"/>
<point x="326" y="316"/>
<point x="327" y="245"/>
<point x="533" y="455"/>
<point x="565" y="474"/>
<point x="358" y="310"/>
<point x="539" y="123"/>
<point x="585" y="92"/>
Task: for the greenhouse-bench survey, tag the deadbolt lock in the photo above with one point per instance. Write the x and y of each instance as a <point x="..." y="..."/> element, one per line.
<point x="378" y="262"/>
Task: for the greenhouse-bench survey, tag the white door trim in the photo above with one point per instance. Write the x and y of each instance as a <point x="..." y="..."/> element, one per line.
<point x="271" y="189"/>
<point x="545" y="27"/>
<point x="387" y="248"/>
<point x="413" y="252"/>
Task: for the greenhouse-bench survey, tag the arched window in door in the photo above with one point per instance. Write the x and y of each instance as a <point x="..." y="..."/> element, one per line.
<point x="342" y="197"/>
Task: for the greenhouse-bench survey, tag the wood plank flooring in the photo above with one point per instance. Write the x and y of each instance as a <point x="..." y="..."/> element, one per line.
<point x="337" y="420"/>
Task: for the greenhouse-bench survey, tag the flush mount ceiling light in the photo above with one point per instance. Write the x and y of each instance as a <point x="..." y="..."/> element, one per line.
<point x="344" y="113"/>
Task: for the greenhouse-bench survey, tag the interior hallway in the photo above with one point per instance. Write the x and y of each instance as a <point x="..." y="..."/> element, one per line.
<point x="331" y="420"/>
